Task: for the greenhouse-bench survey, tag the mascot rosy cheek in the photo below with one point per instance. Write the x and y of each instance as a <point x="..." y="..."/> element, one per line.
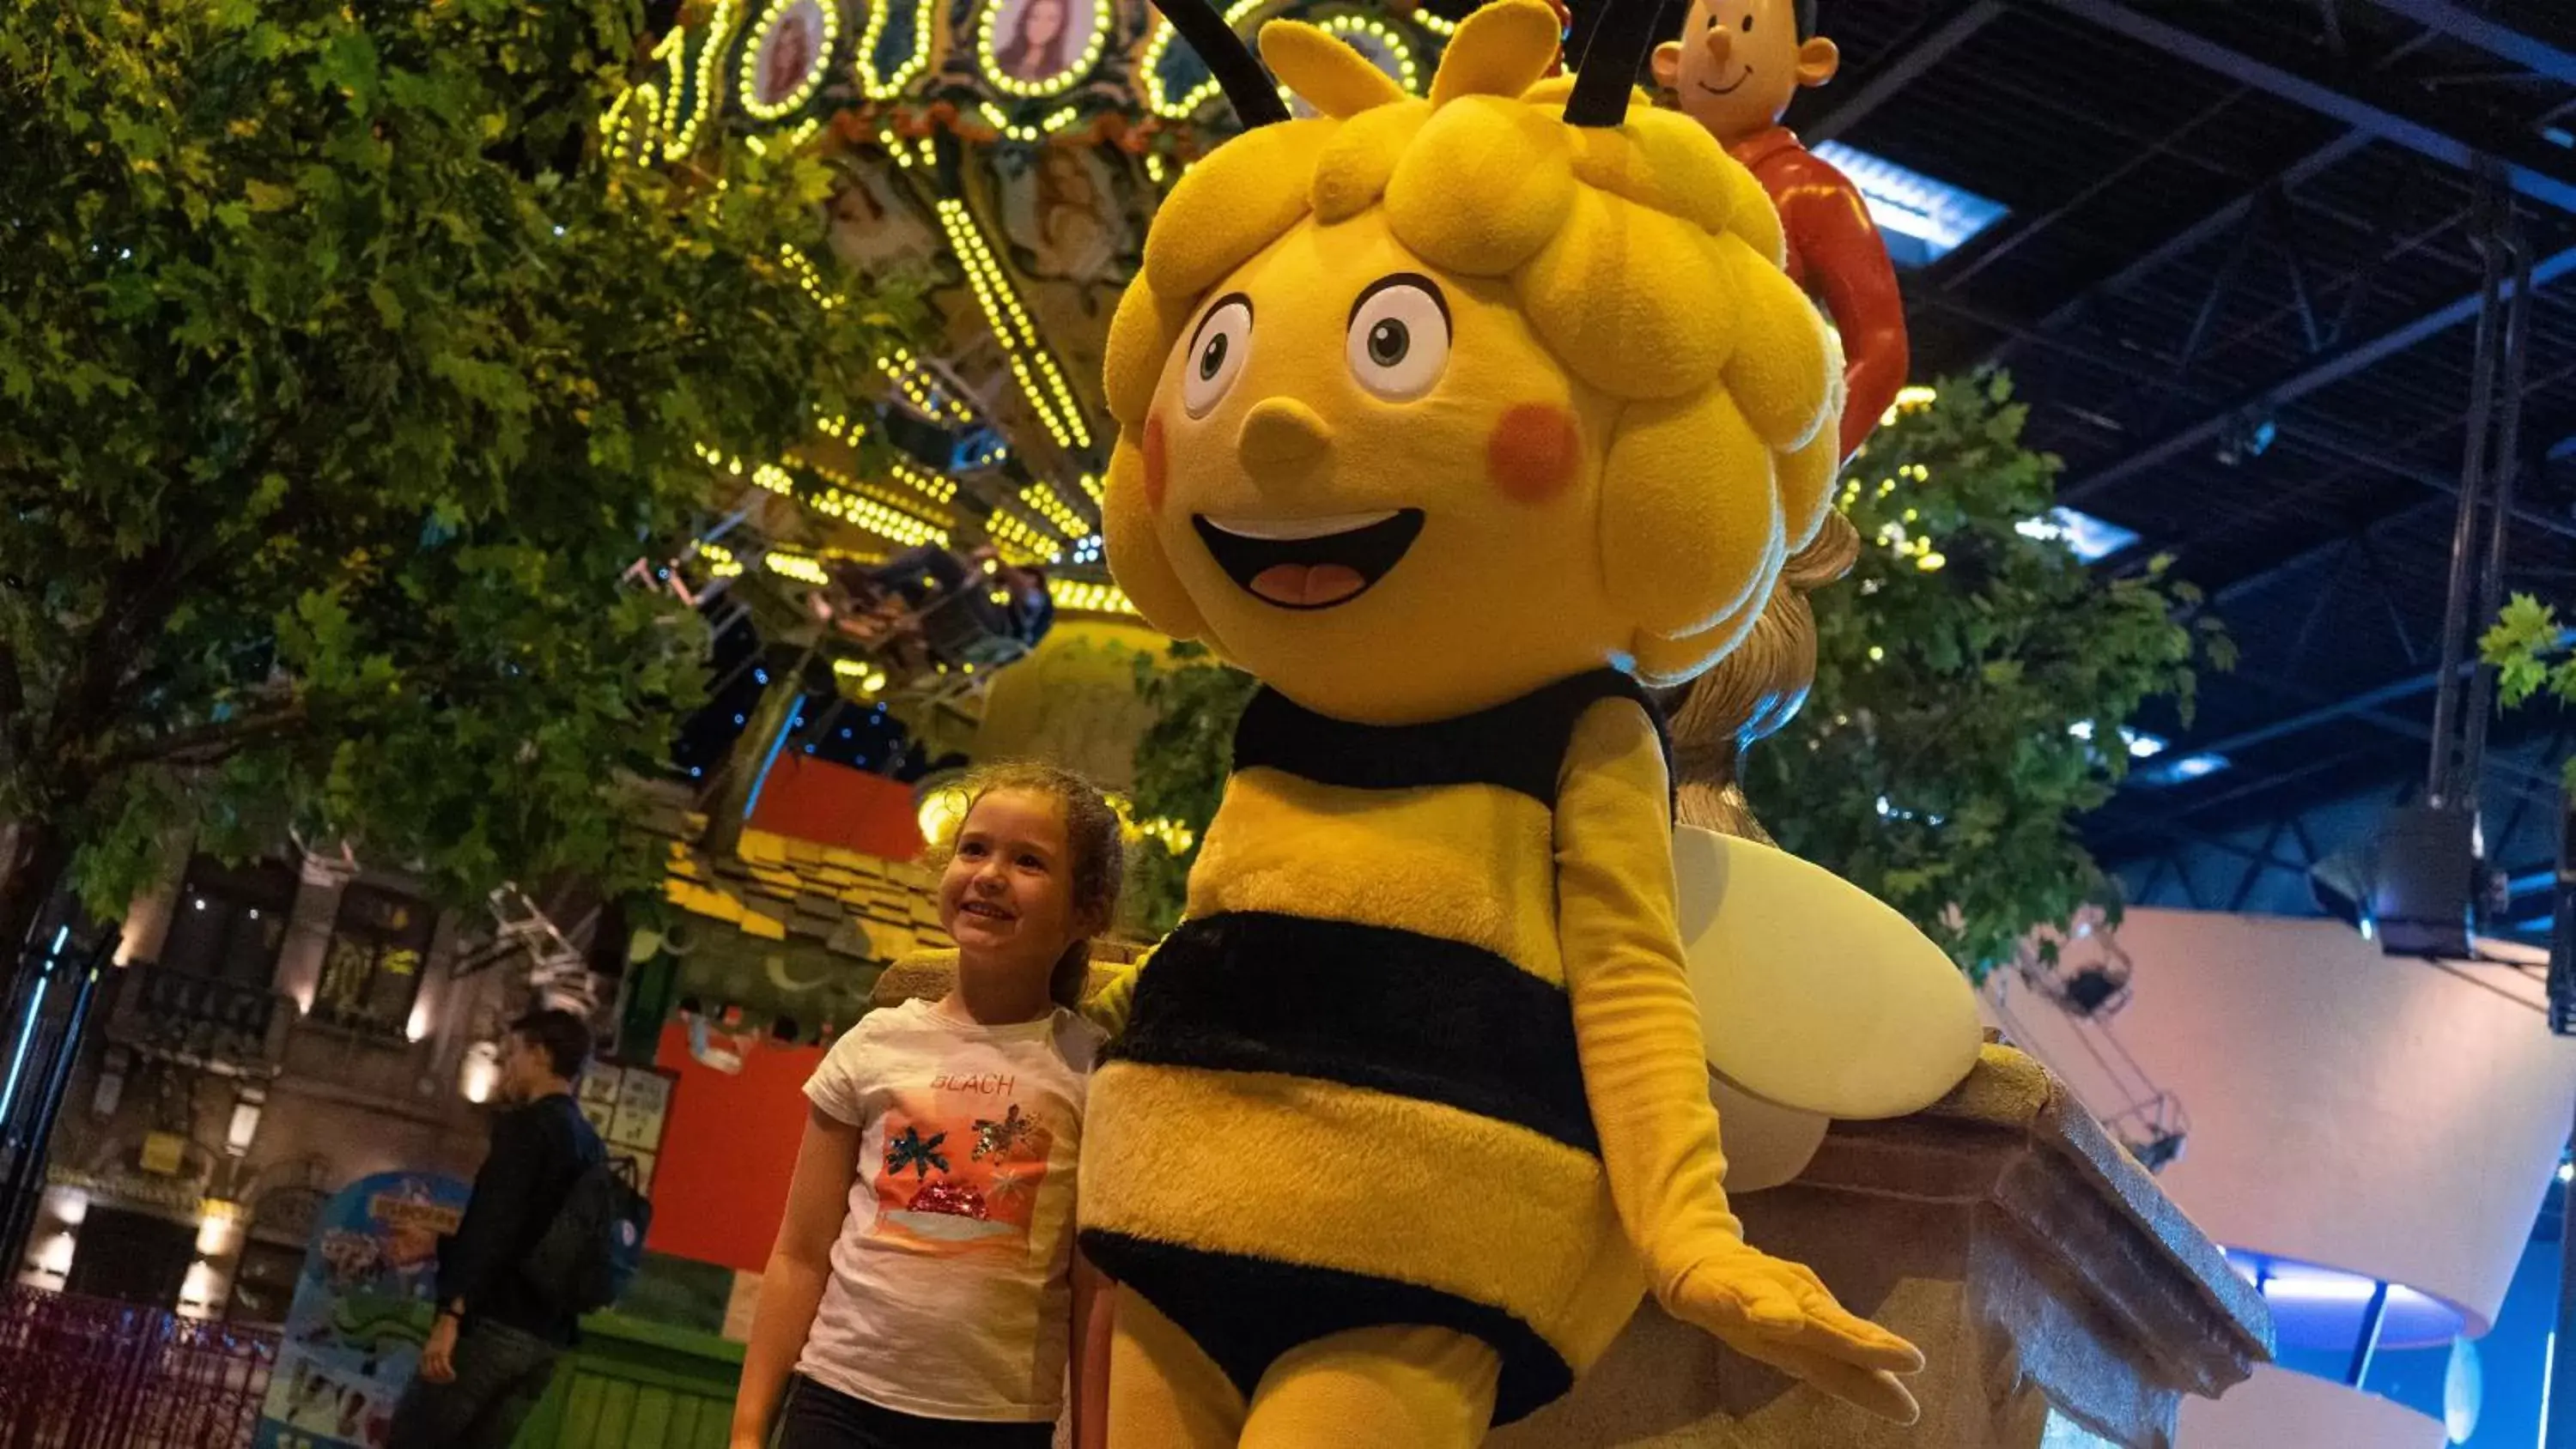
<point x="1452" y="419"/>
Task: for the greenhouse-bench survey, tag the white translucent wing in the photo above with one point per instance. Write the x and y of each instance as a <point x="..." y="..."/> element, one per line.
<point x="1766" y="1144"/>
<point x="1813" y="994"/>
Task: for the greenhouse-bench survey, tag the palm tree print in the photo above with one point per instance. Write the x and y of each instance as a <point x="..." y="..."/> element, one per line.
<point x="911" y="1151"/>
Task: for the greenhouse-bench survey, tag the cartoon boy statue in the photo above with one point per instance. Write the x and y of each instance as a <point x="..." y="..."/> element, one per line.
<point x="1735" y="68"/>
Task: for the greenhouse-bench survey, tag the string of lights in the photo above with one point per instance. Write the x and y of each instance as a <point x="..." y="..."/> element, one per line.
<point x="1021" y="542"/>
<point x="808" y="276"/>
<point x="1043" y="498"/>
<point x="1149" y="70"/>
<point x="709" y="91"/>
<point x="1081" y="596"/>
<point x="882" y="85"/>
<point x="1041" y="381"/>
<point x="877" y="518"/>
<point x="800" y="567"/>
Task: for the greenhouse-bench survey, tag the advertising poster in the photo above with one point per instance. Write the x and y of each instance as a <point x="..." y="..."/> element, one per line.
<point x="362" y="1306"/>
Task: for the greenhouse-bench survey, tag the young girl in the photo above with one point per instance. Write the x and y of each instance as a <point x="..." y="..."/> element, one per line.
<point x="924" y="1293"/>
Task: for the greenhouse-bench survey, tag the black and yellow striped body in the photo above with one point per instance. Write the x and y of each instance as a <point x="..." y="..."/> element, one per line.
<point x="1348" y="1093"/>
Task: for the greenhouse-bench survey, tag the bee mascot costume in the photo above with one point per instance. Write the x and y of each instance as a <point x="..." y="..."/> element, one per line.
<point x="1455" y="420"/>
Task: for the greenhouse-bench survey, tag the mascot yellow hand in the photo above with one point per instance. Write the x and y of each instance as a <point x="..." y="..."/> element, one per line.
<point x="1778" y="1313"/>
<point x="1452" y="419"/>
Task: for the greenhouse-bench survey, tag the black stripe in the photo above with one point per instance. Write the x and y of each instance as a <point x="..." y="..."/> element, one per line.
<point x="1366" y="1006"/>
<point x="1245" y="1312"/>
<point x="1519" y="746"/>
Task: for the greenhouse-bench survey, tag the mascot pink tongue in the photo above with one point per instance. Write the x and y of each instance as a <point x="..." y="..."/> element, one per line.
<point x="1458" y="421"/>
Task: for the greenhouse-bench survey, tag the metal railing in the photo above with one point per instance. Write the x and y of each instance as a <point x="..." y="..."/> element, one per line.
<point x="84" y="1373"/>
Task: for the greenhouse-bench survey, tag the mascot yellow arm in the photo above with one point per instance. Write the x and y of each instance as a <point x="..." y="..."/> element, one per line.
<point x="1637" y="1033"/>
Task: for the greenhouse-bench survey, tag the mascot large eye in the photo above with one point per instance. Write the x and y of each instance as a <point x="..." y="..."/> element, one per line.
<point x="1216" y="355"/>
<point x="1399" y="337"/>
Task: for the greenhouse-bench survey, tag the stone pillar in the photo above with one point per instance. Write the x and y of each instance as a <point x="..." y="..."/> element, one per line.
<point x="2061" y="1299"/>
<point x="308" y="931"/>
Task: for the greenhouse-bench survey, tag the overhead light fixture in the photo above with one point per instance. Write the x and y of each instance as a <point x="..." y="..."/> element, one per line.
<point x="244" y="1127"/>
<point x="2087" y="537"/>
<point x="479" y="1072"/>
<point x="2182" y="771"/>
<point x="2142" y="746"/>
<point x="1921" y="218"/>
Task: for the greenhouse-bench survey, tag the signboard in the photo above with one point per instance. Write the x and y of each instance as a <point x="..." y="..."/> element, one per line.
<point x="627" y="1107"/>
<point x="362" y="1308"/>
<point x="164" y="1152"/>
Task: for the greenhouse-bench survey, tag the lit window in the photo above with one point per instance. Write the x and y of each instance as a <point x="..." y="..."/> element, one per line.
<point x="1922" y="219"/>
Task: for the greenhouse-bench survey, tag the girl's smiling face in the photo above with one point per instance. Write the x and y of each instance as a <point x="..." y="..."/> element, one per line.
<point x="1007" y="897"/>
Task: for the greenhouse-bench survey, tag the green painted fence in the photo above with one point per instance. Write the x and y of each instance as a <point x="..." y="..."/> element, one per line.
<point x="638" y="1385"/>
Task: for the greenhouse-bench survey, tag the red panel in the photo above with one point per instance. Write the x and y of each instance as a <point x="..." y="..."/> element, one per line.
<point x="728" y="1151"/>
<point x="836" y="805"/>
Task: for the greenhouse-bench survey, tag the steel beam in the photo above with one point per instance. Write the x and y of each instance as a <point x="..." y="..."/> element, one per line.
<point x="2315" y="95"/>
<point x="2495" y="38"/>
<point x="2365" y="703"/>
<point x="2209" y="228"/>
<point x="2322" y="373"/>
<point x="1921" y="49"/>
<point x="2318" y="438"/>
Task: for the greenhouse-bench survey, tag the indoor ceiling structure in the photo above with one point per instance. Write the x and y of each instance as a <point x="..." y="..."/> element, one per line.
<point x="2236" y="274"/>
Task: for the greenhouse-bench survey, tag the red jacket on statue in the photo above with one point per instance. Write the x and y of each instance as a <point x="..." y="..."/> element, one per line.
<point x="1734" y="69"/>
<point x="1835" y="254"/>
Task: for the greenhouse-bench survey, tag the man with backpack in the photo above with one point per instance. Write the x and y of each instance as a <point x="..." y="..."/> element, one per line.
<point x="508" y="1299"/>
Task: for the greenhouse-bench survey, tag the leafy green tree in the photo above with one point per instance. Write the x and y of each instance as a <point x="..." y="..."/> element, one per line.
<point x="2529" y="648"/>
<point x="1965" y="672"/>
<point x="1975" y="683"/>
<point x="1181" y="765"/>
<point x="343" y="377"/>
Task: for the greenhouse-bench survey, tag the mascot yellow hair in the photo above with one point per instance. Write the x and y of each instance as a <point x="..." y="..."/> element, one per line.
<point x="1451" y="419"/>
<point x="1642" y="262"/>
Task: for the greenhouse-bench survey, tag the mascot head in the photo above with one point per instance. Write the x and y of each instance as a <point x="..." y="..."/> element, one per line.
<point x="1425" y="403"/>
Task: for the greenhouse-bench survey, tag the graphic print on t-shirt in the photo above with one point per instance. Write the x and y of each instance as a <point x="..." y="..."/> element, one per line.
<point x="962" y="1168"/>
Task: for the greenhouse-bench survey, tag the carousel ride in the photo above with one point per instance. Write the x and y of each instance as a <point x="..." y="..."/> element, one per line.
<point x="999" y="159"/>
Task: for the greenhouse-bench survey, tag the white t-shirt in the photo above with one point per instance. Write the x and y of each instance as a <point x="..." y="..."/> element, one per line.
<point x="951" y="1292"/>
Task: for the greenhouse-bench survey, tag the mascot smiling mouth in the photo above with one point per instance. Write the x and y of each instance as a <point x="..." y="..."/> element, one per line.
<point x="1310" y="563"/>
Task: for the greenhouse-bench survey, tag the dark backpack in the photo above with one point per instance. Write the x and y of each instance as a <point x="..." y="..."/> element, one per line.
<point x="591" y="1250"/>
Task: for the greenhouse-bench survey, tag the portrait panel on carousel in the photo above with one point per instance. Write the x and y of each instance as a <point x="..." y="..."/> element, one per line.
<point x="1040" y="47"/>
<point x="788" y="55"/>
<point x="1065" y="211"/>
<point x="873" y="227"/>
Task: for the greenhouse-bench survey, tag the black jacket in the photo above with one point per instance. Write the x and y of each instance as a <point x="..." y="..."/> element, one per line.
<point x="537" y="1153"/>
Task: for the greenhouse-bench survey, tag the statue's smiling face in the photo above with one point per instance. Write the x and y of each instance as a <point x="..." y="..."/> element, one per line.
<point x="1365" y="471"/>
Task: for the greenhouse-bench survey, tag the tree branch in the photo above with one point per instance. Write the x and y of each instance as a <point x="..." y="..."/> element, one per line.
<point x="208" y="744"/>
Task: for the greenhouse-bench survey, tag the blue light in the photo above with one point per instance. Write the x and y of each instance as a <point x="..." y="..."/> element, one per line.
<point x="760" y="676"/>
<point x="737" y="719"/>
<point x="2188" y="768"/>
<point x="26" y="1033"/>
<point x="2085" y="536"/>
<point x="1922" y="218"/>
